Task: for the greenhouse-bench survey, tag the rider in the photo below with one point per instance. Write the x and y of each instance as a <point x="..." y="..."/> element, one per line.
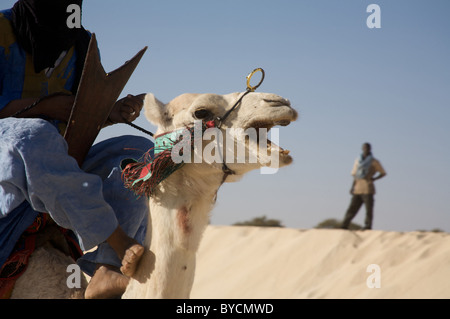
<point x="40" y="55"/>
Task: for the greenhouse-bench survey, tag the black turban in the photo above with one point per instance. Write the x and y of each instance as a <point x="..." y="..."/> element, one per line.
<point x="41" y="29"/>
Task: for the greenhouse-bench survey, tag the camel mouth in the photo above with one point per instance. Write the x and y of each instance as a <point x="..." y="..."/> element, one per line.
<point x="263" y="127"/>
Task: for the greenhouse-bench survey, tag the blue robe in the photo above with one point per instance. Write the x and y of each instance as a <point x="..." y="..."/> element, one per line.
<point x="38" y="175"/>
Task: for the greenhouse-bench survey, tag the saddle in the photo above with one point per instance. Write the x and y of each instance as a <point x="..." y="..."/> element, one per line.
<point x="43" y="231"/>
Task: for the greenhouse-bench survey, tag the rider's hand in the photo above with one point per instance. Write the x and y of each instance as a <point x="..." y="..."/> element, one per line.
<point x="127" y="109"/>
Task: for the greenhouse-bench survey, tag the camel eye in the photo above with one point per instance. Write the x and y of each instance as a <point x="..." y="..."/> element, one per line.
<point x="202" y="114"/>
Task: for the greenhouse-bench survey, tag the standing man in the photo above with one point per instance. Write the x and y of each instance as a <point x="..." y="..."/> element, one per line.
<point x="363" y="188"/>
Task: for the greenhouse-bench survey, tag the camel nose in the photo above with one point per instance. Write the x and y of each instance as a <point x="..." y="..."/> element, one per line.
<point x="284" y="105"/>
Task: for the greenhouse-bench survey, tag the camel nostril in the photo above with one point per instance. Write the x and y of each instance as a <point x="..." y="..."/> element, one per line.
<point x="277" y="102"/>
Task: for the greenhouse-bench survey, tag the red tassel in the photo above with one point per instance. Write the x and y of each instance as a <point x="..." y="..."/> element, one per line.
<point x="143" y="177"/>
<point x="135" y="175"/>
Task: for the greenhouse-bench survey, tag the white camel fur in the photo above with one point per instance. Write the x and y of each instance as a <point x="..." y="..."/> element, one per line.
<point x="180" y="207"/>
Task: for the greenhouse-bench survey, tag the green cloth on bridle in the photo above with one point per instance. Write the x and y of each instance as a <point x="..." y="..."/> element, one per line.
<point x="142" y="176"/>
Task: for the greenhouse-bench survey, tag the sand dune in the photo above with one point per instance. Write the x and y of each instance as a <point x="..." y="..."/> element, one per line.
<point x="264" y="262"/>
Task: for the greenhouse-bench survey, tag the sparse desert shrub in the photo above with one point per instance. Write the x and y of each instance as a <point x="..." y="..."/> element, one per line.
<point x="332" y="223"/>
<point x="261" y="222"/>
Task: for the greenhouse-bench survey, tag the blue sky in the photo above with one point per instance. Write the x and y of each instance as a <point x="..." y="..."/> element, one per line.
<point x="350" y="84"/>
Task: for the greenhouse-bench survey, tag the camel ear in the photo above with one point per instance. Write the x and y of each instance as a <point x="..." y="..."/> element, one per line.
<point x="156" y="111"/>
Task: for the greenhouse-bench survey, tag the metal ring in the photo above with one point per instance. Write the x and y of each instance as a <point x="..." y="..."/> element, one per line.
<point x="249" y="77"/>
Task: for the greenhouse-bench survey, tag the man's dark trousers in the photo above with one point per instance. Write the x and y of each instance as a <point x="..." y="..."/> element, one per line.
<point x="355" y="205"/>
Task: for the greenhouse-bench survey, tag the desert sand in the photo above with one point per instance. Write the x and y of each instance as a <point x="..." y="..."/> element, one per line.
<point x="283" y="263"/>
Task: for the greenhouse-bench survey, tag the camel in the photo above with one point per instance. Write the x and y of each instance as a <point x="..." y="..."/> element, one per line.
<point x="180" y="205"/>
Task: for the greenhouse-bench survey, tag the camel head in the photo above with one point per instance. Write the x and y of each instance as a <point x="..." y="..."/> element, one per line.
<point x="246" y="126"/>
<point x="180" y="205"/>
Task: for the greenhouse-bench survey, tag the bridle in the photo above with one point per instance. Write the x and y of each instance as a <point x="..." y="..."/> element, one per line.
<point x="218" y="121"/>
<point x="221" y="119"/>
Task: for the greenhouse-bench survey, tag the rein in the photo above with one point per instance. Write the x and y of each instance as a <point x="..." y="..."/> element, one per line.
<point x="39" y="100"/>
